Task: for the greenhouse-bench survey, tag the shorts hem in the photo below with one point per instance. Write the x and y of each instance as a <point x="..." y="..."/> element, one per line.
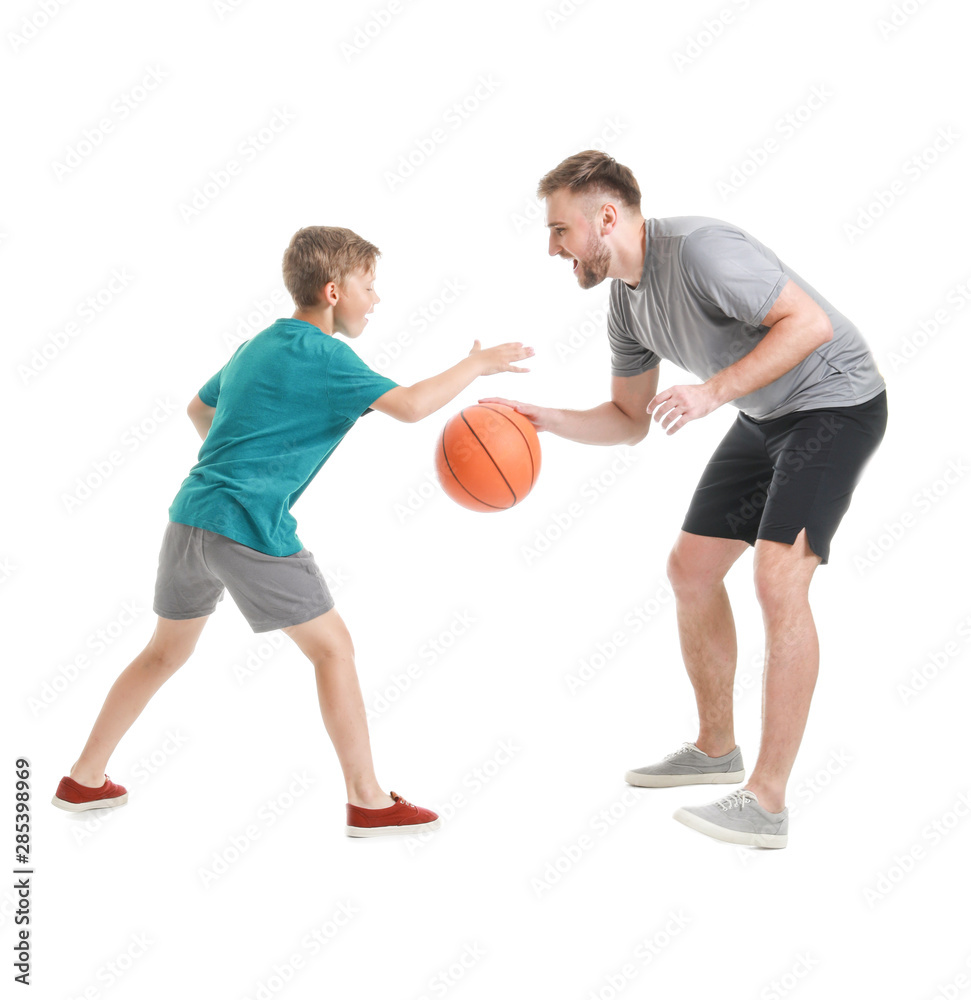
<point x="181" y="616"/>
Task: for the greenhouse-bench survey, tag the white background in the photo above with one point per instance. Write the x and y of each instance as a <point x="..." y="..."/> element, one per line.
<point x="222" y="744"/>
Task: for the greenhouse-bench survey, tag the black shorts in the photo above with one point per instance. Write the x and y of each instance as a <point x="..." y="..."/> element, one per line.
<point x="772" y="478"/>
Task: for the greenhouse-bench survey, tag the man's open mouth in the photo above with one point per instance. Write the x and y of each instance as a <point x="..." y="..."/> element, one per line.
<point x="576" y="263"/>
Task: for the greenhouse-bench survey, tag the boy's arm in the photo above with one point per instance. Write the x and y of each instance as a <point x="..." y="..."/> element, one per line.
<point x="415" y="402"/>
<point x="201" y="415"/>
<point x="624" y="420"/>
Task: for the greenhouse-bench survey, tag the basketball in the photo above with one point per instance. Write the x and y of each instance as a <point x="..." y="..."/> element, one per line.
<point x="488" y="457"/>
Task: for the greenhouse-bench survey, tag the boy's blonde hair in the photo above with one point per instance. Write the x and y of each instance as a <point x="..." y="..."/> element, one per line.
<point x="589" y="171"/>
<point x="319" y="254"/>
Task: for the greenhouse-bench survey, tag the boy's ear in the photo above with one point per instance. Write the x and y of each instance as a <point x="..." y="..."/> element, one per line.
<point x="329" y="294"/>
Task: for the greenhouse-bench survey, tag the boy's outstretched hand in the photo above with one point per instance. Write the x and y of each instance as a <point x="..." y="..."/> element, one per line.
<point x="537" y="415"/>
<point x="500" y="358"/>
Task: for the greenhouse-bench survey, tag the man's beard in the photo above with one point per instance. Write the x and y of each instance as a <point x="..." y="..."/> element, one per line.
<point x="594" y="269"/>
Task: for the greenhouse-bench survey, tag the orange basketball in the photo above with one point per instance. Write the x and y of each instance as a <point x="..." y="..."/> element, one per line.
<point x="488" y="457"/>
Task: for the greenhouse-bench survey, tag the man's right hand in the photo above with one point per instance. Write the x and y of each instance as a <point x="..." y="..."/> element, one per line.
<point x="539" y="416"/>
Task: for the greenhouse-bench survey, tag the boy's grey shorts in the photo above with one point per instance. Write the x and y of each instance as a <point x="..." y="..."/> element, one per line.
<point x="196" y="566"/>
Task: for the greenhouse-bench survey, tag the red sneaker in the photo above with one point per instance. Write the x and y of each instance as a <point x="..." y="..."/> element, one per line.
<point x="402" y="817"/>
<point x="76" y="798"/>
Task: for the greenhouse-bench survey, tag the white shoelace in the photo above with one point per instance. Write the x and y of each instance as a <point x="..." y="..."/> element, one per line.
<point x="737" y="798"/>
<point x="685" y="748"/>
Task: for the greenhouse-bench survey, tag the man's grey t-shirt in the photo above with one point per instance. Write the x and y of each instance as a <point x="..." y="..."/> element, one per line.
<point x="705" y="288"/>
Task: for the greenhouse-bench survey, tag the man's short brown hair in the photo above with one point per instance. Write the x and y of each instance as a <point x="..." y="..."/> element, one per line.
<point x="589" y="171"/>
<point x="319" y="254"/>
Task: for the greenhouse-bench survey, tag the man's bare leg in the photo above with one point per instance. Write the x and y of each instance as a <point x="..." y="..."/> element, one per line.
<point x="782" y="577"/>
<point x="696" y="568"/>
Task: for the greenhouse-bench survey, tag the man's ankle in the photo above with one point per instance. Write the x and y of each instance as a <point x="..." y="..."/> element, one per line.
<point x="715" y="747"/>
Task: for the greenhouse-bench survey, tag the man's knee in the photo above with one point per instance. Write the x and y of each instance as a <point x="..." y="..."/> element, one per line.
<point x="696" y="564"/>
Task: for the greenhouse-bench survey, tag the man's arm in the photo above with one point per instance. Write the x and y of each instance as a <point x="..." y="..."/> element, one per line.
<point x="797" y="326"/>
<point x="624" y="420"/>
<point x="201" y="415"/>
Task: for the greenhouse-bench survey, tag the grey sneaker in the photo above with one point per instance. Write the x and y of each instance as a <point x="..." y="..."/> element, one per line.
<point x="738" y="819"/>
<point x="690" y="766"/>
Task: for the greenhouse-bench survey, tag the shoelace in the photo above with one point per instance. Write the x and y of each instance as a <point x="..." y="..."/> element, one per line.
<point x="737" y="798"/>
<point x="684" y="748"/>
<point x="400" y="801"/>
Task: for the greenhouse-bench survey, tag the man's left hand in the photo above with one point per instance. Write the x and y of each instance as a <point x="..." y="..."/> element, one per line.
<point x="674" y="407"/>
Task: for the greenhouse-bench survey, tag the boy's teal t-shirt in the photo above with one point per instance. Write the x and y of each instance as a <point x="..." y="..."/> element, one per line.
<point x="284" y="401"/>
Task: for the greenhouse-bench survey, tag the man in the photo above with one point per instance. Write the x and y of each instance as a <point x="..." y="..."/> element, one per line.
<point x="812" y="410"/>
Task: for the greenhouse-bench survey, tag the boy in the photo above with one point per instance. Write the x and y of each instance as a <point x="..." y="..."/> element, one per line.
<point x="269" y="419"/>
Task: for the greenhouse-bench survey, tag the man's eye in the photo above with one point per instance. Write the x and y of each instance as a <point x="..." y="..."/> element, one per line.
<point x="559" y="232"/>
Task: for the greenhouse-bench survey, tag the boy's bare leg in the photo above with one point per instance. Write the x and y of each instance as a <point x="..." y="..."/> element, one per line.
<point x="696" y="568"/>
<point x="327" y="644"/>
<point x="170" y="646"/>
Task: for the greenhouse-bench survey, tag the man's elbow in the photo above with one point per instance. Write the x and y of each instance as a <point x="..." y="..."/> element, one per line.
<point x="640" y="430"/>
<point x="824" y="330"/>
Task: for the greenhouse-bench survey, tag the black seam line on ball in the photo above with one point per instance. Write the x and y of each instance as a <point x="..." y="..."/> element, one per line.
<point x="491" y="459"/>
<point x="529" y="451"/>
<point x="459" y="481"/>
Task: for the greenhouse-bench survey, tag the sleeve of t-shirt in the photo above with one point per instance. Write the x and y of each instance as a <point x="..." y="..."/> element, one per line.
<point x="627" y="355"/>
<point x="209" y="393"/>
<point x="351" y="386"/>
<point x="730" y="272"/>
